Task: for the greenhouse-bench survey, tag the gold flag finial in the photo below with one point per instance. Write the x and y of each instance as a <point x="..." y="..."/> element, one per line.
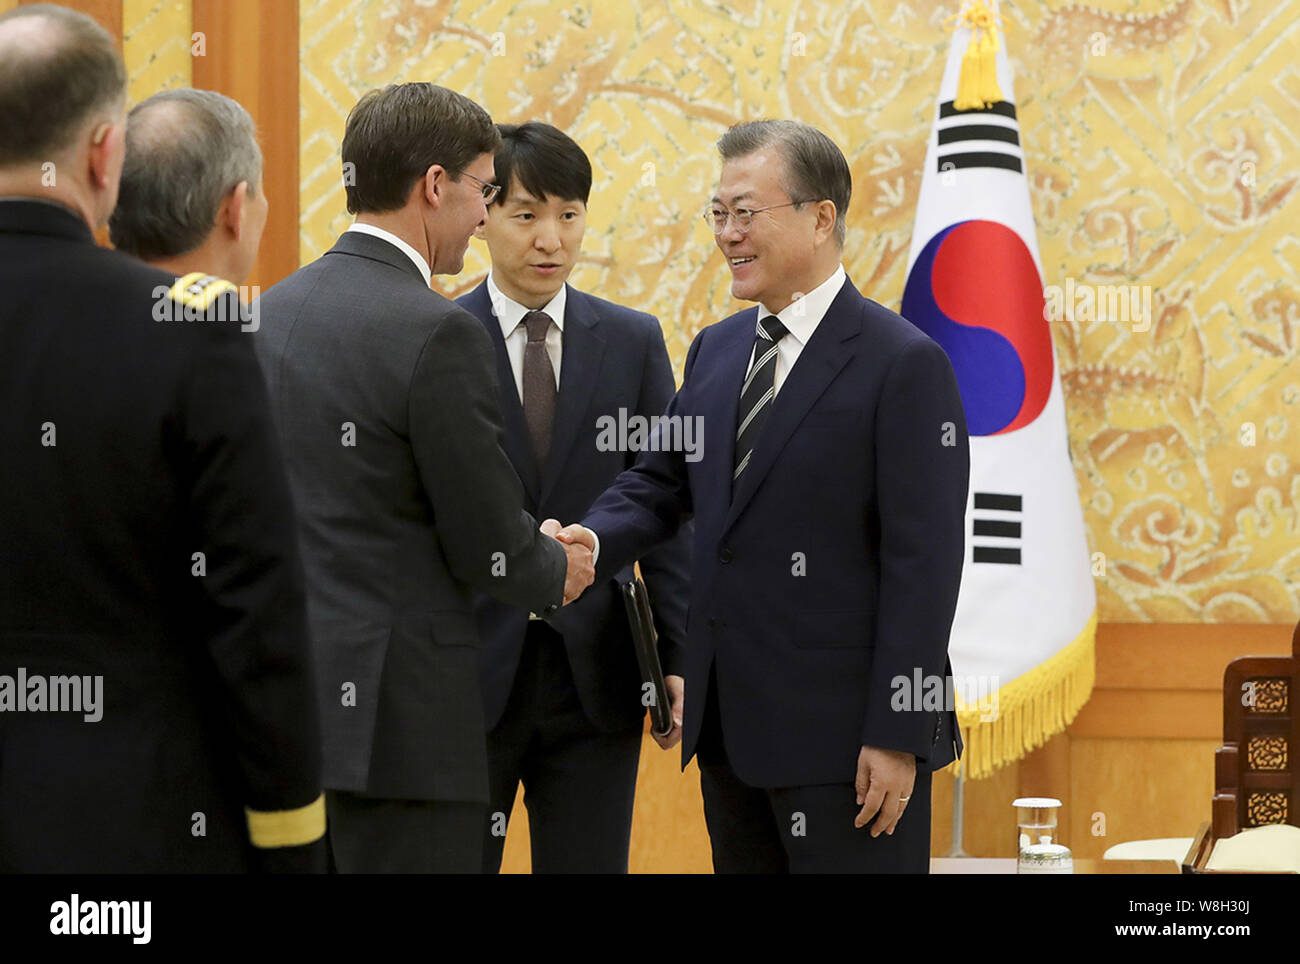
<point x="977" y="85"/>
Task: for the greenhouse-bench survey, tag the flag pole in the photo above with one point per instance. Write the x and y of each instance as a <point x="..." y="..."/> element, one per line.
<point x="958" y="812"/>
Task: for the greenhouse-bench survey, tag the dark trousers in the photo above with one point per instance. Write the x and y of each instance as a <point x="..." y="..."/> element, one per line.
<point x="371" y="835"/>
<point x="800" y="830"/>
<point x="579" y="782"/>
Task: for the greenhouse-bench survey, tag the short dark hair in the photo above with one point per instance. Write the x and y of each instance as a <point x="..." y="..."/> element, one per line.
<point x="54" y="83"/>
<point x="815" y="169"/>
<point x="395" y="134"/>
<point x="185" y="151"/>
<point x="544" y="161"/>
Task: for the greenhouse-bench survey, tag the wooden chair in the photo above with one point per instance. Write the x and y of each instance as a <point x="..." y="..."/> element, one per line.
<point x="1255" y="775"/>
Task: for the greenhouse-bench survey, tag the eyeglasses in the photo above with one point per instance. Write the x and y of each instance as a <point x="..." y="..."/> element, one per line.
<point x="716" y="217"/>
<point x="490" y="191"/>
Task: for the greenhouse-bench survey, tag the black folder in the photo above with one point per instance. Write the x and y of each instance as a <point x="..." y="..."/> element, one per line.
<point x="637" y="601"/>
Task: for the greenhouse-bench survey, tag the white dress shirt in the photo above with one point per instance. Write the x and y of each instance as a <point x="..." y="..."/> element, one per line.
<point x="801" y="318"/>
<point x="399" y="244"/>
<point x="510" y="313"/>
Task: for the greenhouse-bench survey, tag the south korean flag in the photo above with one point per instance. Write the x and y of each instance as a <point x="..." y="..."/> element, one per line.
<point x="1022" y="643"/>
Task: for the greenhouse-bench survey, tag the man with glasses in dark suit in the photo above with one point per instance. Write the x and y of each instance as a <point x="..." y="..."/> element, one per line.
<point x="829" y="512"/>
<point x="386" y="399"/>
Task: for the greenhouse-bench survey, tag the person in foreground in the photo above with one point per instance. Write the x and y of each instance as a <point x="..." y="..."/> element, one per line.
<point x="386" y="399"/>
<point x="157" y="704"/>
<point x="829" y="511"/>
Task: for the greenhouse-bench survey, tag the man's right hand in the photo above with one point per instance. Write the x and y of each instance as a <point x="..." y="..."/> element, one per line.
<point x="580" y="571"/>
<point x="575" y="533"/>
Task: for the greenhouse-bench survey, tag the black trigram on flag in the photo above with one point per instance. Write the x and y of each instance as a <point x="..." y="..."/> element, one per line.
<point x="984" y="137"/>
<point x="1003" y="529"/>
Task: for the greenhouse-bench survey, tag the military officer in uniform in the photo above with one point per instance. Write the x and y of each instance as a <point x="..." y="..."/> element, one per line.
<point x="157" y="708"/>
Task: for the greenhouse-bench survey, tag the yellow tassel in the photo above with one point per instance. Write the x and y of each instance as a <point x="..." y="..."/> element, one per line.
<point x="1030" y="709"/>
<point x="977" y="84"/>
<point x="968" y="87"/>
<point x="990" y="93"/>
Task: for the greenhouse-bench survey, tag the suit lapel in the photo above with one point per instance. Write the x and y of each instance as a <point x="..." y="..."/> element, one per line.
<point x="716" y="387"/>
<point x="580" y="360"/>
<point x="828" y="350"/>
<point x="516" y="443"/>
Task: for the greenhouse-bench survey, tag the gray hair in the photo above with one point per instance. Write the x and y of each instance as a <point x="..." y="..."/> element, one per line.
<point x="59" y="70"/>
<point x="814" y="169"/>
<point x="185" y="151"/>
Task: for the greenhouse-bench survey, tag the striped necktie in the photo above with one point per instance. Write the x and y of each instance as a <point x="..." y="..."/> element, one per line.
<point x="758" y="391"/>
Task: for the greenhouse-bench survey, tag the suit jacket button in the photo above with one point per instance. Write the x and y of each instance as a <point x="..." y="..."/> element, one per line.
<point x="550" y="610"/>
<point x="726" y="555"/>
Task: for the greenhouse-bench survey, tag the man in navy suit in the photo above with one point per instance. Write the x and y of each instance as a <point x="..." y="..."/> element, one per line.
<point x="563" y="699"/>
<point x="828" y="509"/>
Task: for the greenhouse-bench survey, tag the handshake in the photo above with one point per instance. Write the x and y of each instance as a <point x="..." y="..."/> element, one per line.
<point x="579" y="545"/>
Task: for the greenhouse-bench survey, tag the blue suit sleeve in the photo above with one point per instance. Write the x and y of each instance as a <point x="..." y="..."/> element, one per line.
<point x="923" y="470"/>
<point x="666" y="568"/>
<point x="649" y="502"/>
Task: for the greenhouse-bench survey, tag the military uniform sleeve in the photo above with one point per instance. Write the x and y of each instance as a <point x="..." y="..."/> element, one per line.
<point x="257" y="634"/>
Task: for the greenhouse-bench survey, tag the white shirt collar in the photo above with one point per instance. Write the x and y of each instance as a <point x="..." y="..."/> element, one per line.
<point x="399" y="244"/>
<point x="802" y="316"/>
<point x="510" y="312"/>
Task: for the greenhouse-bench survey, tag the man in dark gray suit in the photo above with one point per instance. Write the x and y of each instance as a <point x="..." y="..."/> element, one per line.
<point x="386" y="399"/>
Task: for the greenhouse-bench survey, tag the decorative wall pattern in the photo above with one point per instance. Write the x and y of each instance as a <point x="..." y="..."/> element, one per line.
<point x="1161" y="138"/>
<point x="156" y="46"/>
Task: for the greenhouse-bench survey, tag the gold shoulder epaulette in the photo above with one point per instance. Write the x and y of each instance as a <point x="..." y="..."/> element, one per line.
<point x="198" y="290"/>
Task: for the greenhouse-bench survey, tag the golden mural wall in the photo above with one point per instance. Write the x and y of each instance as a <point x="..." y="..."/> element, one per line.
<point x="1162" y="148"/>
<point x="155" y="46"/>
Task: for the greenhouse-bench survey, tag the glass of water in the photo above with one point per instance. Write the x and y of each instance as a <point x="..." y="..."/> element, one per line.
<point x="1036" y="844"/>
